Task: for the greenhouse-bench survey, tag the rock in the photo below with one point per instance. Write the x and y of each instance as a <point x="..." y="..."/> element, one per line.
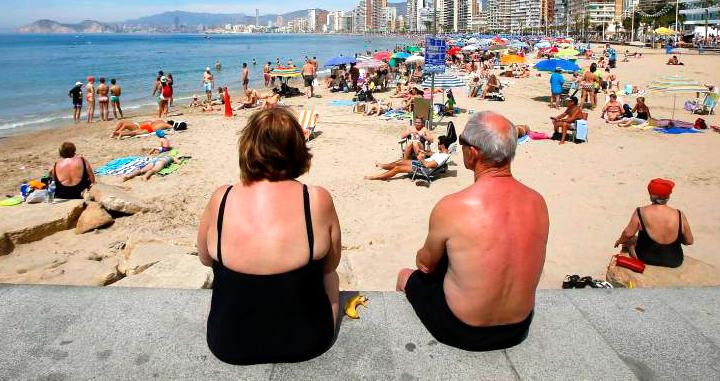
<point x="27" y="223"/>
<point x="83" y="272"/>
<point x="692" y="273"/>
<point x="116" y="199"/>
<point x="93" y="217"/>
<point x="177" y="271"/>
<point x="138" y="256"/>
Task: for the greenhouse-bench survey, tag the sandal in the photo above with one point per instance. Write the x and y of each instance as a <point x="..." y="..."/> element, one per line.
<point x="571" y="281"/>
<point x="585" y="281"/>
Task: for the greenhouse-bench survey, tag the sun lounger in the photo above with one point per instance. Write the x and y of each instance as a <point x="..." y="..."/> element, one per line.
<point x="308" y="120"/>
<point x="429" y="174"/>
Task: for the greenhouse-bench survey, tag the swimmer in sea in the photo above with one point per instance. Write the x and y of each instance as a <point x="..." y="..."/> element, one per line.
<point x="115" y="92"/>
<point x="90" y="94"/>
<point x="103" y="99"/>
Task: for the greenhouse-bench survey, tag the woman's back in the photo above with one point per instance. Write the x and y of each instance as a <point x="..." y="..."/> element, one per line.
<point x="661" y="236"/>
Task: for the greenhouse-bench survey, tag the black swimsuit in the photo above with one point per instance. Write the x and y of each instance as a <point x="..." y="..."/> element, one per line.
<point x="274" y="318"/>
<point x="427" y="296"/>
<point x="71" y="192"/>
<point x="658" y="254"/>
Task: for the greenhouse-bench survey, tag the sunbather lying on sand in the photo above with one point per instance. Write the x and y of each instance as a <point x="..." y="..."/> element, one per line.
<point x="130" y="128"/>
<point x="155" y="165"/>
<point x="406" y="166"/>
<point x="252" y="100"/>
<point x="378" y="108"/>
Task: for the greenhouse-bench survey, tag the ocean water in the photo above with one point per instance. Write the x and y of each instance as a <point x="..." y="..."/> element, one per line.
<point x="38" y="70"/>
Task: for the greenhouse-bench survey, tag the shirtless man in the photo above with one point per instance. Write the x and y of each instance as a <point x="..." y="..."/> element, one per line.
<point x="492" y="86"/>
<point x="103" y="99"/>
<point x="481" y="262"/>
<point x="271" y="101"/>
<point x="308" y="73"/>
<point x="115" y="92"/>
<point x="245" y="76"/>
<point x="266" y="74"/>
<point x="406" y="166"/>
<point x="562" y="122"/>
<point x="208" y="83"/>
<point x="130" y="128"/>
<point x="252" y="99"/>
<point x="90" y="94"/>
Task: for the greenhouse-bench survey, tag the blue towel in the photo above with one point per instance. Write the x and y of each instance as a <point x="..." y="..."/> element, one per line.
<point x="341" y="103"/>
<point x="676" y="130"/>
<point x="122" y="166"/>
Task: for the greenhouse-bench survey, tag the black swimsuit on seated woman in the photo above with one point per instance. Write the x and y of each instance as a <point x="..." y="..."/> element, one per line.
<point x="658" y="254"/>
<point x="275" y="291"/>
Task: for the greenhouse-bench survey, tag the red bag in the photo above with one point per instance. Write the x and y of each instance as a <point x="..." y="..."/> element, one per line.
<point x="630" y="263"/>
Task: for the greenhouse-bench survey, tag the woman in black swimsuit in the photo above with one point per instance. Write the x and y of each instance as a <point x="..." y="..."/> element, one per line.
<point x="274" y="246"/>
<point x="661" y="230"/>
<point x="71" y="176"/>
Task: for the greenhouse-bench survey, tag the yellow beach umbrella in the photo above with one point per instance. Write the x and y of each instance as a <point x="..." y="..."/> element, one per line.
<point x="567" y="53"/>
<point x="510" y="59"/>
<point x="663" y="31"/>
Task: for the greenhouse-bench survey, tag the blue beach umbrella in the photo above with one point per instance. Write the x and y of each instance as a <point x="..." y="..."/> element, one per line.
<point x="340" y="60"/>
<point x="551" y="64"/>
<point x="400" y="55"/>
<point x="542" y="45"/>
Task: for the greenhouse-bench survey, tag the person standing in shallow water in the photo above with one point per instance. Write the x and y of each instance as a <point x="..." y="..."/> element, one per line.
<point x="275" y="294"/>
<point x="480" y="265"/>
<point x="115" y="92"/>
<point x="77" y="100"/>
<point x="103" y="99"/>
<point x="90" y="96"/>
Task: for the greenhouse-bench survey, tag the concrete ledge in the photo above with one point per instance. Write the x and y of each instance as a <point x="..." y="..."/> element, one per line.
<point x="32" y="222"/>
<point x="62" y="332"/>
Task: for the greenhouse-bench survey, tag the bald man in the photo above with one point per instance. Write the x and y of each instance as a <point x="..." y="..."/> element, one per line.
<point x="477" y="273"/>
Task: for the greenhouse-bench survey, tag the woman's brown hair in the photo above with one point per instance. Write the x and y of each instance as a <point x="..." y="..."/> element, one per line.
<point x="67" y="150"/>
<point x="272" y="147"/>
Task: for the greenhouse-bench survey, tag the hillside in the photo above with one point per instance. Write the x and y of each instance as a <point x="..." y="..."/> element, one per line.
<point x="50" y="26"/>
<point x="193" y="19"/>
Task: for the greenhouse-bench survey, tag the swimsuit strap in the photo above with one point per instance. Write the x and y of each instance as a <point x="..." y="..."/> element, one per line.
<point x="221" y="213"/>
<point x="308" y="221"/>
<point x="642" y="224"/>
<point x="680" y="228"/>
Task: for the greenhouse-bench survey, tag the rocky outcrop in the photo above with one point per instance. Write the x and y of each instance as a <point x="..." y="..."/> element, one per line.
<point x="32" y="222"/>
<point x="83" y="272"/>
<point x="54" y="27"/>
<point x="138" y="256"/>
<point x="176" y="271"/>
<point x="93" y="217"/>
<point x="692" y="273"/>
<point x="116" y="199"/>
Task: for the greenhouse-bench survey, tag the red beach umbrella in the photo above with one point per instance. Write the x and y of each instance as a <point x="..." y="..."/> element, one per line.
<point x="382" y="56"/>
<point x="454" y="50"/>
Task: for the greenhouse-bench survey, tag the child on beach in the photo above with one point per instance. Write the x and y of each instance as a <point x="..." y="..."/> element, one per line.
<point x="165" y="145"/>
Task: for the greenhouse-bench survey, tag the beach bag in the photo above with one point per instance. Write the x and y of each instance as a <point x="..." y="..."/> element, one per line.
<point x="700" y="124"/>
<point x="691" y="106"/>
<point x="581" y="129"/>
<point x="630" y="263"/>
<point x="37" y="197"/>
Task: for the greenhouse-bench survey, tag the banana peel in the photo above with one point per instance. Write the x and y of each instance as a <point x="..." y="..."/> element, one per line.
<point x="352" y="303"/>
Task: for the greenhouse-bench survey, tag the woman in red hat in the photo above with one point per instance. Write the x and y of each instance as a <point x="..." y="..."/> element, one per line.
<point x="661" y="230"/>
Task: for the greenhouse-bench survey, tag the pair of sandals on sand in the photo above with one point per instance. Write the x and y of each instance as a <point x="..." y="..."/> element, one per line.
<point x="575" y="281"/>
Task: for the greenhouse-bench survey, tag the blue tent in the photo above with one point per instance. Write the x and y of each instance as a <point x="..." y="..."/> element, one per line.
<point x="340" y="60"/>
<point x="551" y="64"/>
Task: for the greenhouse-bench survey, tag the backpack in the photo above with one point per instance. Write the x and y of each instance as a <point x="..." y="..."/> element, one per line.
<point x="700" y="124"/>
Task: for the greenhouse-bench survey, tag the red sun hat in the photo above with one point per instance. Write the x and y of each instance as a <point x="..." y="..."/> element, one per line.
<point x="660" y="187"/>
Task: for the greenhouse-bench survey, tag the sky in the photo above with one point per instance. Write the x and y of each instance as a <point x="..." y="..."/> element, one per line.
<point x="15" y="13"/>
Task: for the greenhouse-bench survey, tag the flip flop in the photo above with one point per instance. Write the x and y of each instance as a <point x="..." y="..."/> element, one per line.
<point x="571" y="281"/>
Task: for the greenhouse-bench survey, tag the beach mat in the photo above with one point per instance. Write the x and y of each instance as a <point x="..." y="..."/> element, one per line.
<point x="341" y="103"/>
<point x="172" y="168"/>
<point x="122" y="166"/>
<point x="676" y="131"/>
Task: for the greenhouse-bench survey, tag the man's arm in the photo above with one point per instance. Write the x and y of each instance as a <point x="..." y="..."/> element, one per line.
<point x="434" y="249"/>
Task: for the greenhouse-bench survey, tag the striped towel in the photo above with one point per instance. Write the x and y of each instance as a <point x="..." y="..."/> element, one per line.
<point x="123" y="166"/>
<point x="307" y="118"/>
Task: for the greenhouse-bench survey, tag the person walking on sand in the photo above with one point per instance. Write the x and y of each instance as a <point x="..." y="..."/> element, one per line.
<point x="245" y="76"/>
<point x="77" y="100"/>
<point x="208" y="83"/>
<point x="266" y="74"/>
<point x="115" y="92"/>
<point x="90" y="96"/>
<point x="308" y="73"/>
<point x="170" y="83"/>
<point x="556" y="87"/>
<point x="164" y="97"/>
<point x="103" y="99"/>
<point x="157" y="87"/>
<point x="480" y="265"/>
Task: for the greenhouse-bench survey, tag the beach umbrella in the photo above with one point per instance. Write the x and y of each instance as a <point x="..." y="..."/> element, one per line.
<point x="663" y="31"/>
<point x="340" y="60"/>
<point x="443" y="81"/>
<point x="285" y="72"/>
<point x="676" y="85"/>
<point x="400" y="56"/>
<point x="413" y="49"/>
<point x="567" y="53"/>
<point x="370" y="64"/>
<point x="551" y="64"/>
<point x="415" y="59"/>
<point x="565" y="45"/>
<point x="382" y="56"/>
<point x="453" y="51"/>
<point x="510" y="59"/>
<point x="542" y="45"/>
<point x="470" y="48"/>
<point x="496" y="48"/>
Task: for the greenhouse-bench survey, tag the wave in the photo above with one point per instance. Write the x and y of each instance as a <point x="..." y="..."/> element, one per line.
<point x="30" y="122"/>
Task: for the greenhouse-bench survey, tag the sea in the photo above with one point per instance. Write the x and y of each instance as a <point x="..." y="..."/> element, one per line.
<point x="39" y="70"/>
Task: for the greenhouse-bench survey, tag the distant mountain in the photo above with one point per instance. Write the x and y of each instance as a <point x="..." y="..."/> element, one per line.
<point x="401" y="8"/>
<point x="50" y="26"/>
<point x="193" y="19"/>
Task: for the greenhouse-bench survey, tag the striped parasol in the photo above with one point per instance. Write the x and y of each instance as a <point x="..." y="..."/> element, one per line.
<point x="444" y="81"/>
<point x="676" y="85"/>
<point x="370" y="64"/>
<point x="285" y="72"/>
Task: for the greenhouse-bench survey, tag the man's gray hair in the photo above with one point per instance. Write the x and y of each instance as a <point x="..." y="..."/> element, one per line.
<point x="496" y="147"/>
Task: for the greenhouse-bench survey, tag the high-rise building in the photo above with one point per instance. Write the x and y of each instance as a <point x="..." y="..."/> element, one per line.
<point x="694" y="13"/>
<point x="280" y="21"/>
<point x="257" y="17"/>
<point x="499" y="15"/>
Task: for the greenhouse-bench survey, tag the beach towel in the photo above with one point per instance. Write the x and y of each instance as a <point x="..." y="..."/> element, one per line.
<point x="523" y="140"/>
<point x="122" y="166"/>
<point x="677" y="130"/>
<point x="341" y="103"/>
<point x="172" y="168"/>
<point x="537" y="135"/>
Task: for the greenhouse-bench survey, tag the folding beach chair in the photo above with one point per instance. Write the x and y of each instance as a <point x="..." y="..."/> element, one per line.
<point x="708" y="105"/>
<point x="429" y="174"/>
<point x="308" y="120"/>
<point x="422" y="108"/>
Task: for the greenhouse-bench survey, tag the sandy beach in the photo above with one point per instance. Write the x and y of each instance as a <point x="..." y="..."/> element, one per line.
<point x="591" y="189"/>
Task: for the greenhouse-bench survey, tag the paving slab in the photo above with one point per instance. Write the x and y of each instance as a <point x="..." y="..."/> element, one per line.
<point x="64" y="332"/>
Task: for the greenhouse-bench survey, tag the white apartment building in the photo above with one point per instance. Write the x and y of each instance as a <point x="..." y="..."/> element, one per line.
<point x="525" y="15"/>
<point x="334" y="22"/>
<point x="499" y="15"/>
<point x="388" y="17"/>
<point x="695" y="11"/>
